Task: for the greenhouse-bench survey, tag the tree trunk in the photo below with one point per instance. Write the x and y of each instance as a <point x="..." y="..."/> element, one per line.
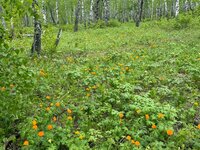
<point x="2" y="18"/>
<point x="77" y="16"/>
<point x="96" y="10"/>
<point x="44" y="12"/>
<point x="107" y="11"/>
<point x="57" y="12"/>
<point x="58" y="37"/>
<point x="177" y="8"/>
<point x="91" y="11"/>
<point x="36" y="46"/>
<point x="139" y="15"/>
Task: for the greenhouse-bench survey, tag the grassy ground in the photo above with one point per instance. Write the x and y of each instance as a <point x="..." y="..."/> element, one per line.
<point x="118" y="82"/>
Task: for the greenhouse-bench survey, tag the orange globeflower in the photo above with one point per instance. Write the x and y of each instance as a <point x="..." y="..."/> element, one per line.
<point x="26" y="143"/>
<point x="69" y="111"/>
<point x="58" y="104"/>
<point x="153" y="126"/>
<point x="198" y="126"/>
<point x="34" y="122"/>
<point x="132" y="141"/>
<point x="169" y="132"/>
<point x="121" y="115"/>
<point x="128" y="137"/>
<point x="93" y="73"/>
<point x="137" y="143"/>
<point x="69" y="118"/>
<point x="49" y="127"/>
<point x="147" y="117"/>
<point x="35" y="127"/>
<point x="54" y="119"/>
<point x="11" y="85"/>
<point x="3" y="88"/>
<point x="48" y="97"/>
<point x="41" y="133"/>
<point x="160" y="115"/>
<point x="48" y="108"/>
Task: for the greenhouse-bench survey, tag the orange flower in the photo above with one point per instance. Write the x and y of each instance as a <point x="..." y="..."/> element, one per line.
<point x="153" y="126"/>
<point x="132" y="141"/>
<point x="49" y="127"/>
<point x="58" y="104"/>
<point x="128" y="137"/>
<point x="147" y="117"/>
<point x="121" y="115"/>
<point x="198" y="126"/>
<point x="41" y="133"/>
<point x="3" y="88"/>
<point x="88" y="95"/>
<point x="160" y="115"/>
<point x="34" y="122"/>
<point x="54" y="119"/>
<point x="48" y="108"/>
<point x="169" y="132"/>
<point x="69" y="118"/>
<point x="42" y="73"/>
<point x="127" y="68"/>
<point x="26" y="143"/>
<point x="93" y="73"/>
<point x="35" y="127"/>
<point x="137" y="143"/>
<point x="69" y="111"/>
<point x="48" y="97"/>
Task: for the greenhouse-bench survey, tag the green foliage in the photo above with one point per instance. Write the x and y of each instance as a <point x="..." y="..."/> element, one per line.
<point x="182" y="21"/>
<point x="102" y="86"/>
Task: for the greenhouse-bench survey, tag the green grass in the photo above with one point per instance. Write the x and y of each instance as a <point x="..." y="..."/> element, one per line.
<point x="149" y="70"/>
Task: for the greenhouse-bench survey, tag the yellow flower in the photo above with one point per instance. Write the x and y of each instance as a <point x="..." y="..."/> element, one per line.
<point x="88" y="95"/>
<point x="69" y="118"/>
<point x="128" y="137"/>
<point x="121" y="115"/>
<point x="48" y="97"/>
<point x="137" y="143"/>
<point x="42" y="73"/>
<point x="34" y="122"/>
<point x="69" y="111"/>
<point x="51" y="104"/>
<point x="11" y="85"/>
<point x="132" y="141"/>
<point x="41" y="133"/>
<point x="94" y="87"/>
<point x="58" y="104"/>
<point x="138" y="111"/>
<point x="160" y="115"/>
<point x="26" y="143"/>
<point x="169" y="132"/>
<point x="54" y="118"/>
<point x="81" y="137"/>
<point x="77" y="132"/>
<point x="127" y="68"/>
<point x="196" y="104"/>
<point x="87" y="89"/>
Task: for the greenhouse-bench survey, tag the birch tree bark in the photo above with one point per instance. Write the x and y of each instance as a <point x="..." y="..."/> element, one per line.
<point x="139" y="15"/>
<point x="2" y="18"/>
<point x="57" y="12"/>
<point x="177" y="8"/>
<point x="36" y="46"/>
<point x="91" y="18"/>
<point x="77" y="16"/>
<point x="106" y="10"/>
<point x="166" y="8"/>
<point x="44" y="12"/>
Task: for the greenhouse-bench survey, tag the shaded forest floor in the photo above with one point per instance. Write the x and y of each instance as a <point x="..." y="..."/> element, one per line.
<point x="118" y="82"/>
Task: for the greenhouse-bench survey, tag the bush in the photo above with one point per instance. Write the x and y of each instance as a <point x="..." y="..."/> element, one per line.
<point x="182" y="21"/>
<point x="113" y="23"/>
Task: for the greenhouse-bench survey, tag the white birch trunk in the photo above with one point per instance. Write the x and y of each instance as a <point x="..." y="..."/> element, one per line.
<point x="57" y="11"/>
<point x="177" y="8"/>
<point x="91" y="10"/>
<point x="166" y="8"/>
<point x="44" y="14"/>
<point x="152" y="6"/>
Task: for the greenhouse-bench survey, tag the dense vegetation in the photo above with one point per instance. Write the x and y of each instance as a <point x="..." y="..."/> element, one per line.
<point x="109" y="86"/>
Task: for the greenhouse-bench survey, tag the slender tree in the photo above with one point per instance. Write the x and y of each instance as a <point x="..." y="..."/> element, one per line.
<point x="139" y="15"/>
